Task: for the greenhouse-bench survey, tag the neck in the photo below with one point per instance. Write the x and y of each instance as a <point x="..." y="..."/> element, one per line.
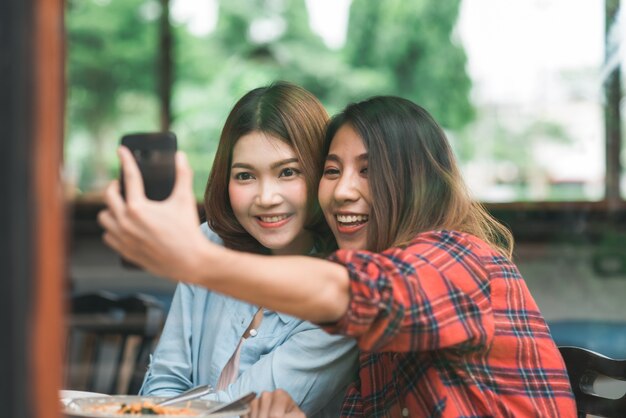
<point x="301" y="245"/>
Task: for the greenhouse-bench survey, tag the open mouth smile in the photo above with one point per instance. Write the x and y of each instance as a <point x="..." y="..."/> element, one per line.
<point x="348" y="224"/>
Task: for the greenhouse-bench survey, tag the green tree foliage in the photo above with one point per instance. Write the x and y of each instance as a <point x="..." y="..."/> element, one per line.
<point x="111" y="71"/>
<point x="413" y="44"/>
<point x="254" y="43"/>
<point x="393" y="47"/>
<point x="274" y="38"/>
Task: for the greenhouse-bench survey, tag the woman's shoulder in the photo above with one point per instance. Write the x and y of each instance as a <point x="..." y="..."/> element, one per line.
<point x="448" y="238"/>
<point x="440" y="238"/>
<point x="456" y="243"/>
<point x="210" y="234"/>
<point x="452" y="249"/>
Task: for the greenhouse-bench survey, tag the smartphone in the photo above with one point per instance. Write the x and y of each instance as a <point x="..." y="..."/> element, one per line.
<point x="155" y="154"/>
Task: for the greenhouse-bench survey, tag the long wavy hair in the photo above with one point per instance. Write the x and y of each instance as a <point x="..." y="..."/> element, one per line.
<point x="286" y="112"/>
<point x="414" y="180"/>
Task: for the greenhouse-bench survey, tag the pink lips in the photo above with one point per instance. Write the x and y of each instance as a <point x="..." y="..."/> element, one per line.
<point x="270" y="225"/>
<point x="350" y="229"/>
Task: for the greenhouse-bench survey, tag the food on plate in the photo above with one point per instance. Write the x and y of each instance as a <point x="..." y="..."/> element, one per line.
<point x="143" y="408"/>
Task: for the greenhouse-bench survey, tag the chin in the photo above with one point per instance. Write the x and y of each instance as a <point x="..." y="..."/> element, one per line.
<point x="351" y="245"/>
<point x="277" y="243"/>
<point x="275" y="246"/>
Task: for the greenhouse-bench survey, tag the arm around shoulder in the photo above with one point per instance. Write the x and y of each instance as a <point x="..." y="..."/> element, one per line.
<point x="309" y="288"/>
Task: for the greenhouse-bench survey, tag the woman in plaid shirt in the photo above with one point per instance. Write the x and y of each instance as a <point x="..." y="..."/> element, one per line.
<point x="423" y="280"/>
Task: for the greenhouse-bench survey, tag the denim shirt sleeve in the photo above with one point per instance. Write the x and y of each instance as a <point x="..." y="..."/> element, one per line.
<point x="170" y="370"/>
<point x="171" y="367"/>
<point x="311" y="365"/>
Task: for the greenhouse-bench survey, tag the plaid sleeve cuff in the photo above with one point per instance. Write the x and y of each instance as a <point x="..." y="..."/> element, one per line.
<point x="363" y="307"/>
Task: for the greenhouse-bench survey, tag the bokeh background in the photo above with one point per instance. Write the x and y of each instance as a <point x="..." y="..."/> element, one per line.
<point x="518" y="85"/>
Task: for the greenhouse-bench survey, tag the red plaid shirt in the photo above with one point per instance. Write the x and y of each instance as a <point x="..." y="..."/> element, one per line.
<point x="448" y="328"/>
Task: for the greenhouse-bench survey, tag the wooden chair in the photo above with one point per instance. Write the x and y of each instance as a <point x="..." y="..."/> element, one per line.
<point x="586" y="368"/>
<point x="109" y="341"/>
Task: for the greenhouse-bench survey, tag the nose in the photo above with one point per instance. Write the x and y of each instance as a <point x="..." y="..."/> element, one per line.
<point x="268" y="194"/>
<point x="346" y="189"/>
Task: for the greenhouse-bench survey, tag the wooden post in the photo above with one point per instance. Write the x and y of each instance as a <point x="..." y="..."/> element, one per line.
<point x="49" y="265"/>
<point x="31" y="213"/>
<point x="165" y="66"/>
<point x="612" y="114"/>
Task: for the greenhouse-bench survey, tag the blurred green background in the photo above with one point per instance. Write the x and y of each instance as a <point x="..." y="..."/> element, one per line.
<point x="117" y="76"/>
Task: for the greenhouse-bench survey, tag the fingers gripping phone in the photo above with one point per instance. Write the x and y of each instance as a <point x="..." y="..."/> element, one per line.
<point x="155" y="154"/>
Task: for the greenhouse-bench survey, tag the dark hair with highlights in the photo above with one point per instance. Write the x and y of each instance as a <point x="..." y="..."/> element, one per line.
<point x="284" y="111"/>
<point x="414" y="180"/>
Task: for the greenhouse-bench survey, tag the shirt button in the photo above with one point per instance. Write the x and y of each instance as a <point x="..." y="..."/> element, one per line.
<point x="405" y="412"/>
<point x="253" y="332"/>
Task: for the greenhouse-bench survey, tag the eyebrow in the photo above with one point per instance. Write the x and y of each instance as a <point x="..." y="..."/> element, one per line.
<point x="334" y="157"/>
<point x="272" y="166"/>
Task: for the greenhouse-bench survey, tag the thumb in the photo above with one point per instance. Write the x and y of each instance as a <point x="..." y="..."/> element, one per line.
<point x="184" y="175"/>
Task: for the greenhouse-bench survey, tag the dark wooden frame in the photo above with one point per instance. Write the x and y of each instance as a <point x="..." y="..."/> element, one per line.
<point x="16" y="211"/>
<point x="31" y="214"/>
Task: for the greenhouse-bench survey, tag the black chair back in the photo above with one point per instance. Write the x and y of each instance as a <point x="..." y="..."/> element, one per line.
<point x="586" y="368"/>
<point x="109" y="341"/>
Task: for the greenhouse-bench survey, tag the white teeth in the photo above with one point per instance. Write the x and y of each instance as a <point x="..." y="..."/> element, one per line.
<point x="352" y="218"/>
<point x="270" y="219"/>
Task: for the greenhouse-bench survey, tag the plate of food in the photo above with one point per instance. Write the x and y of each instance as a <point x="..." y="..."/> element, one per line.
<point x="144" y="406"/>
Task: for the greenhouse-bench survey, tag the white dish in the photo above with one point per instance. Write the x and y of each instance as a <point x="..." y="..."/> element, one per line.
<point x="105" y="407"/>
<point x="69" y="395"/>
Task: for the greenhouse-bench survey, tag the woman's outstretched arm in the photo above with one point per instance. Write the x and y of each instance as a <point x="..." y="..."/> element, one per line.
<point x="164" y="238"/>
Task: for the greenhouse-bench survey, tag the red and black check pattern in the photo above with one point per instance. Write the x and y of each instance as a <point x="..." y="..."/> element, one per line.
<point x="448" y="328"/>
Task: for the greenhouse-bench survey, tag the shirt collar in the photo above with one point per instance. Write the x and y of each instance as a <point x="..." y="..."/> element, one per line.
<point x="284" y="317"/>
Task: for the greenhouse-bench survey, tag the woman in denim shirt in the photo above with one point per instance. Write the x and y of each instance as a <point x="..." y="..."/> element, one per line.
<point x="260" y="197"/>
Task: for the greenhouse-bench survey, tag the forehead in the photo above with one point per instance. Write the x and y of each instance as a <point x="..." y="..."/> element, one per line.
<point x="258" y="146"/>
<point x="347" y="143"/>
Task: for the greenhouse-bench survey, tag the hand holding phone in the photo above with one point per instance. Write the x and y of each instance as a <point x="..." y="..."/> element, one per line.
<point x="155" y="154"/>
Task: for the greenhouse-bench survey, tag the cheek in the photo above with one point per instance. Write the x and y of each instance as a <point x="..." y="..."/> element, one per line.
<point x="324" y="194"/>
<point x="296" y="190"/>
<point x="239" y="197"/>
<point x="364" y="190"/>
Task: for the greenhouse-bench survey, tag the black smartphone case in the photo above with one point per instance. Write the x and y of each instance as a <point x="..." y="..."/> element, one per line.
<point x="154" y="153"/>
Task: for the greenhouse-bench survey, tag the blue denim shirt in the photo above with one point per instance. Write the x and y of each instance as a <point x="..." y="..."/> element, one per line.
<point x="203" y="329"/>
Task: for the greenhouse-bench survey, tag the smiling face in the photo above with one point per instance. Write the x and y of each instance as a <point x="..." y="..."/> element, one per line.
<point x="344" y="193"/>
<point x="268" y="193"/>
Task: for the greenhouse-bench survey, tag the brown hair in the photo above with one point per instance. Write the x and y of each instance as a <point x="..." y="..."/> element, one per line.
<point x="414" y="180"/>
<point x="286" y="112"/>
